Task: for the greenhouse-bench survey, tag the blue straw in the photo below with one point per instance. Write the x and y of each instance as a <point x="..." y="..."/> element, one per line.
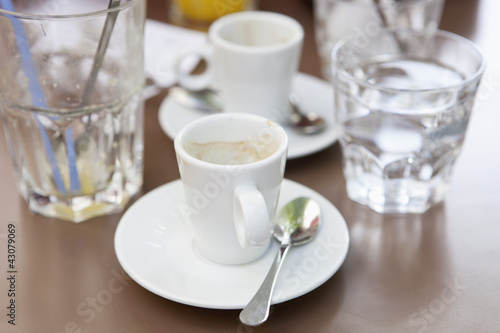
<point x="38" y="100"/>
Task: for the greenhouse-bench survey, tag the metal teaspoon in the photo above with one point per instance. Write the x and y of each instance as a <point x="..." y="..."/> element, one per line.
<point x="297" y="223"/>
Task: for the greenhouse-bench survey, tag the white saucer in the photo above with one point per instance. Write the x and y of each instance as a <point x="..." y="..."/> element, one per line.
<point x="314" y="95"/>
<point x="154" y="245"/>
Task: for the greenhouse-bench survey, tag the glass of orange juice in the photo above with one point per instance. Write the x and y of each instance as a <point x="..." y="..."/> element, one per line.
<point x="199" y="14"/>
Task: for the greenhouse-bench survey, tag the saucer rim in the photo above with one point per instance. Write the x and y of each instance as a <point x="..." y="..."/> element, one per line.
<point x="339" y="258"/>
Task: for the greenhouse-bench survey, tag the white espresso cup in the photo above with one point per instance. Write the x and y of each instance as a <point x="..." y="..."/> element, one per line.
<point x="231" y="166"/>
<point x="251" y="59"/>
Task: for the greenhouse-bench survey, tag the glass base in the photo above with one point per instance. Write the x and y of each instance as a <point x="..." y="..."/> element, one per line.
<point x="395" y="196"/>
<point x="81" y="208"/>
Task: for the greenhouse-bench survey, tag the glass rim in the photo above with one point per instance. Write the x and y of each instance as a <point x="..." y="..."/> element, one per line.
<point x="435" y="32"/>
<point x="40" y="17"/>
<point x="403" y="3"/>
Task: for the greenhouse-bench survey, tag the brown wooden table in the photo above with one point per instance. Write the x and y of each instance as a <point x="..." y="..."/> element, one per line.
<point x="436" y="272"/>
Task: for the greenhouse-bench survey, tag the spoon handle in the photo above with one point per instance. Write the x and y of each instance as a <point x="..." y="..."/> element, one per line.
<point x="257" y="311"/>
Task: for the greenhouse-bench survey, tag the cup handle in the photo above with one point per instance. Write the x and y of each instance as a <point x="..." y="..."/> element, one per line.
<point x="195" y="82"/>
<point x="251" y="217"/>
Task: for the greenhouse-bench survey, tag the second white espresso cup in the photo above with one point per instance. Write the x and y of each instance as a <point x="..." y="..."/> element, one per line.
<point x="232" y="167"/>
<point x="251" y="59"/>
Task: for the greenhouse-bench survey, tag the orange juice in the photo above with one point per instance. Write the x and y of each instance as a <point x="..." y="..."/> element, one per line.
<point x="206" y="11"/>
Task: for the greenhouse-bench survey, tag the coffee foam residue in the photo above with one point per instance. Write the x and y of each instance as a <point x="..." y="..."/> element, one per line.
<point x="233" y="153"/>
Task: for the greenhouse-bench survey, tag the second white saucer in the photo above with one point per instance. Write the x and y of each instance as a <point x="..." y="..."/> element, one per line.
<point x="313" y="94"/>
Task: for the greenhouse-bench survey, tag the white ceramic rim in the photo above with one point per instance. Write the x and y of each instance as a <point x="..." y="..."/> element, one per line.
<point x="204" y="121"/>
<point x="213" y="31"/>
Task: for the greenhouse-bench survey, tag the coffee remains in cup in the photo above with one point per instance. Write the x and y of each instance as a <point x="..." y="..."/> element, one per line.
<point x="232" y="153"/>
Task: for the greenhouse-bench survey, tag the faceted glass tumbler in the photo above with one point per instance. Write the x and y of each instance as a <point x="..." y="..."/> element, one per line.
<point x="403" y="100"/>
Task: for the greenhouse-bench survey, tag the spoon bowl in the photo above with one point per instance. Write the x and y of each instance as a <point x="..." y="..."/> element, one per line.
<point x="206" y="100"/>
<point x="299" y="220"/>
<point x="297" y="223"/>
<point x="309" y="123"/>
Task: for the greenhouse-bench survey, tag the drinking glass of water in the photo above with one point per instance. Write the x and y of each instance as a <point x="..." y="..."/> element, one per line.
<point x="403" y="100"/>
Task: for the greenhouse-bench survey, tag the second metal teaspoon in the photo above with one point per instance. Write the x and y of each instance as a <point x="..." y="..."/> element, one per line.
<point x="297" y="223"/>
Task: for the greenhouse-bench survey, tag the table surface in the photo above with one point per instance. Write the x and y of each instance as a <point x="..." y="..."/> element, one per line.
<point x="436" y="272"/>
